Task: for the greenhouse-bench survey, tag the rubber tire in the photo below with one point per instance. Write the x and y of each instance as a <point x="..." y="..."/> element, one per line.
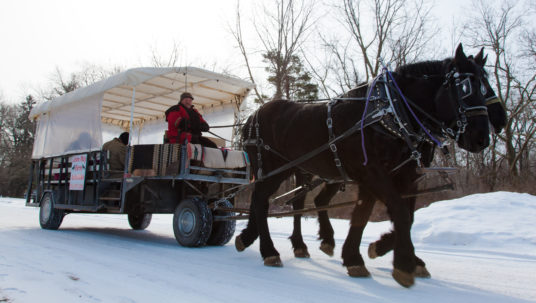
<point x="139" y="222"/>
<point x="50" y="217"/>
<point x="192" y="222"/>
<point x="222" y="231"/>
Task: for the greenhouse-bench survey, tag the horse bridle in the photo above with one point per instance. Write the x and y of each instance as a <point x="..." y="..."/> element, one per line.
<point x="463" y="89"/>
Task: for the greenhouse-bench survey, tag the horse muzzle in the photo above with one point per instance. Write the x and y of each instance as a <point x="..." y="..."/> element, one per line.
<point x="476" y="137"/>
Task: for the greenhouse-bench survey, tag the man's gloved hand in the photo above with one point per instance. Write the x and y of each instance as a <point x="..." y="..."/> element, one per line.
<point x="203" y="127"/>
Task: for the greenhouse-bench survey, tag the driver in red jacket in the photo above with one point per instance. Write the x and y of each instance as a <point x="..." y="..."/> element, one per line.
<point x="185" y="123"/>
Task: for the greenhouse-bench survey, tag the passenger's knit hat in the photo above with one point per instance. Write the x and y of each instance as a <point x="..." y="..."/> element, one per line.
<point x="186" y="95"/>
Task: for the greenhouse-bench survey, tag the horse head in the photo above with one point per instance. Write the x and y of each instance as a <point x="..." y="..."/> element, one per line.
<point x="496" y="109"/>
<point x="460" y="103"/>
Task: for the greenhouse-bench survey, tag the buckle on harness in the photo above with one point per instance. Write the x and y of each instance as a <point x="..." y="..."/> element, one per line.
<point x="415" y="155"/>
<point x="338" y="162"/>
<point x="329" y="122"/>
<point x="333" y="147"/>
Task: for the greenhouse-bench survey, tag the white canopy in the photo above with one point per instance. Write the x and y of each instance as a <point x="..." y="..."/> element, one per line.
<point x="72" y="122"/>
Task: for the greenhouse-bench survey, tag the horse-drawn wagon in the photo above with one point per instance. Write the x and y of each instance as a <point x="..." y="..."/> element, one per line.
<point x="399" y="118"/>
<point x="70" y="173"/>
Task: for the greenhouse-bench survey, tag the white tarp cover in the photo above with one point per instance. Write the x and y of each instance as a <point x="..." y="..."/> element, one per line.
<point x="72" y="122"/>
<point x="69" y="130"/>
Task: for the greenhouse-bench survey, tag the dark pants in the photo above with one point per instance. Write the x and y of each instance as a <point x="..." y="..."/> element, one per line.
<point x="197" y="139"/>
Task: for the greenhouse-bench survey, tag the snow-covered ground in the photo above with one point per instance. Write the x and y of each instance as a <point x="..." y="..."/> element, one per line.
<point x="480" y="248"/>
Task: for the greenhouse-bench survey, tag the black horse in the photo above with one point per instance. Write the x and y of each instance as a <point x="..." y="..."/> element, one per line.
<point x="497" y="118"/>
<point x="445" y="98"/>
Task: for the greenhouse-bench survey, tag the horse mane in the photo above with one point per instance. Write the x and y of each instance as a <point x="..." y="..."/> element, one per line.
<point x="419" y="69"/>
<point x="423" y="68"/>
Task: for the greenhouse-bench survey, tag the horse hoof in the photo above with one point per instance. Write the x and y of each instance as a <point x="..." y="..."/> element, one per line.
<point x="239" y="245"/>
<point x="301" y="253"/>
<point x="403" y="278"/>
<point x="422" y="272"/>
<point x="273" y="261"/>
<point x="372" y="251"/>
<point x="327" y="249"/>
<point x="358" y="271"/>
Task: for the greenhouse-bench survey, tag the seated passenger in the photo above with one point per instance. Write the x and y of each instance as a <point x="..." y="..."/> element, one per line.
<point x="117" y="148"/>
<point x="185" y="123"/>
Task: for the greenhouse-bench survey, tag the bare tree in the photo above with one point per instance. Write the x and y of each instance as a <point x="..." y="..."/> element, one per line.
<point x="401" y="29"/>
<point x="88" y="74"/>
<point x="396" y="31"/>
<point x="172" y="59"/>
<point x="501" y="28"/>
<point x="281" y="32"/>
<point x="238" y="35"/>
<point x="7" y="118"/>
<point x="16" y="140"/>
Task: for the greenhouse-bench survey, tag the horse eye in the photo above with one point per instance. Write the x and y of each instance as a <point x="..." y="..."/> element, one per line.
<point x="483" y="89"/>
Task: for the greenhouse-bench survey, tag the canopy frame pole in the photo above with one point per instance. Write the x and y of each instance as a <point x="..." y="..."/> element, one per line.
<point x="127" y="156"/>
<point x="131" y="114"/>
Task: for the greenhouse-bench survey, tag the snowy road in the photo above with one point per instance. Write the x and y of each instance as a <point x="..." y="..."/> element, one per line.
<point x="480" y="248"/>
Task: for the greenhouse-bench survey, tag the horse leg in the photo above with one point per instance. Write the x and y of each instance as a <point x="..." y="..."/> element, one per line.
<point x="263" y="190"/>
<point x="250" y="233"/>
<point x="386" y="244"/>
<point x="268" y="252"/>
<point x="299" y="246"/>
<point x="382" y="246"/>
<point x="350" y="251"/>
<point x="404" y="252"/>
<point x="325" y="232"/>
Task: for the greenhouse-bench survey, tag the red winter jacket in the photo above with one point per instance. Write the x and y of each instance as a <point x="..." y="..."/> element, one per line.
<point x="184" y="124"/>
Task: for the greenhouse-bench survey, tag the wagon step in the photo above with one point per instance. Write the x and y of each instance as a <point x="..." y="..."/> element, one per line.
<point x="111" y="179"/>
<point x="111" y="203"/>
<point x="109" y="198"/>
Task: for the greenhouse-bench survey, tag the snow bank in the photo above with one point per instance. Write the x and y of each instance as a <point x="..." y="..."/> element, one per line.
<point x="499" y="221"/>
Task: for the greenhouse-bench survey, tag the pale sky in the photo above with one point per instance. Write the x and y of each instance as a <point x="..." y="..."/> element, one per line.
<point x="39" y="36"/>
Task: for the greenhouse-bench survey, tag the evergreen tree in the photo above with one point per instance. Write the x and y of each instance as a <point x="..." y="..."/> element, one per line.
<point x="289" y="77"/>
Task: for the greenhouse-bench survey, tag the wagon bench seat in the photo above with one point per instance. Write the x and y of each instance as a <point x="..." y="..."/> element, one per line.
<point x="164" y="159"/>
<point x="217" y="158"/>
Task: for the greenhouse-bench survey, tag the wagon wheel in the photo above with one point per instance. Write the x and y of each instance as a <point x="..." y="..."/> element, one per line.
<point x="222" y="231"/>
<point x="139" y="221"/>
<point x="50" y="217"/>
<point x="192" y="222"/>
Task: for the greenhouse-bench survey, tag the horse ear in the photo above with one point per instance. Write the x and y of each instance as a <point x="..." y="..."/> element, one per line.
<point x="484" y="60"/>
<point x="479" y="56"/>
<point x="460" y="55"/>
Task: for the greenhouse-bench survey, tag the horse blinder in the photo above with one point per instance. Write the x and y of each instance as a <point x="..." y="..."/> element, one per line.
<point x="463" y="89"/>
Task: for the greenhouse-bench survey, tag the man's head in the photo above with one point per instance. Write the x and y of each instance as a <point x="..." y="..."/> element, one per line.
<point x="186" y="99"/>
<point x="124" y="138"/>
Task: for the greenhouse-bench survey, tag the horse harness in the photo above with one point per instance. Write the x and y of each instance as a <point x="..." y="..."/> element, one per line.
<point x="389" y="112"/>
